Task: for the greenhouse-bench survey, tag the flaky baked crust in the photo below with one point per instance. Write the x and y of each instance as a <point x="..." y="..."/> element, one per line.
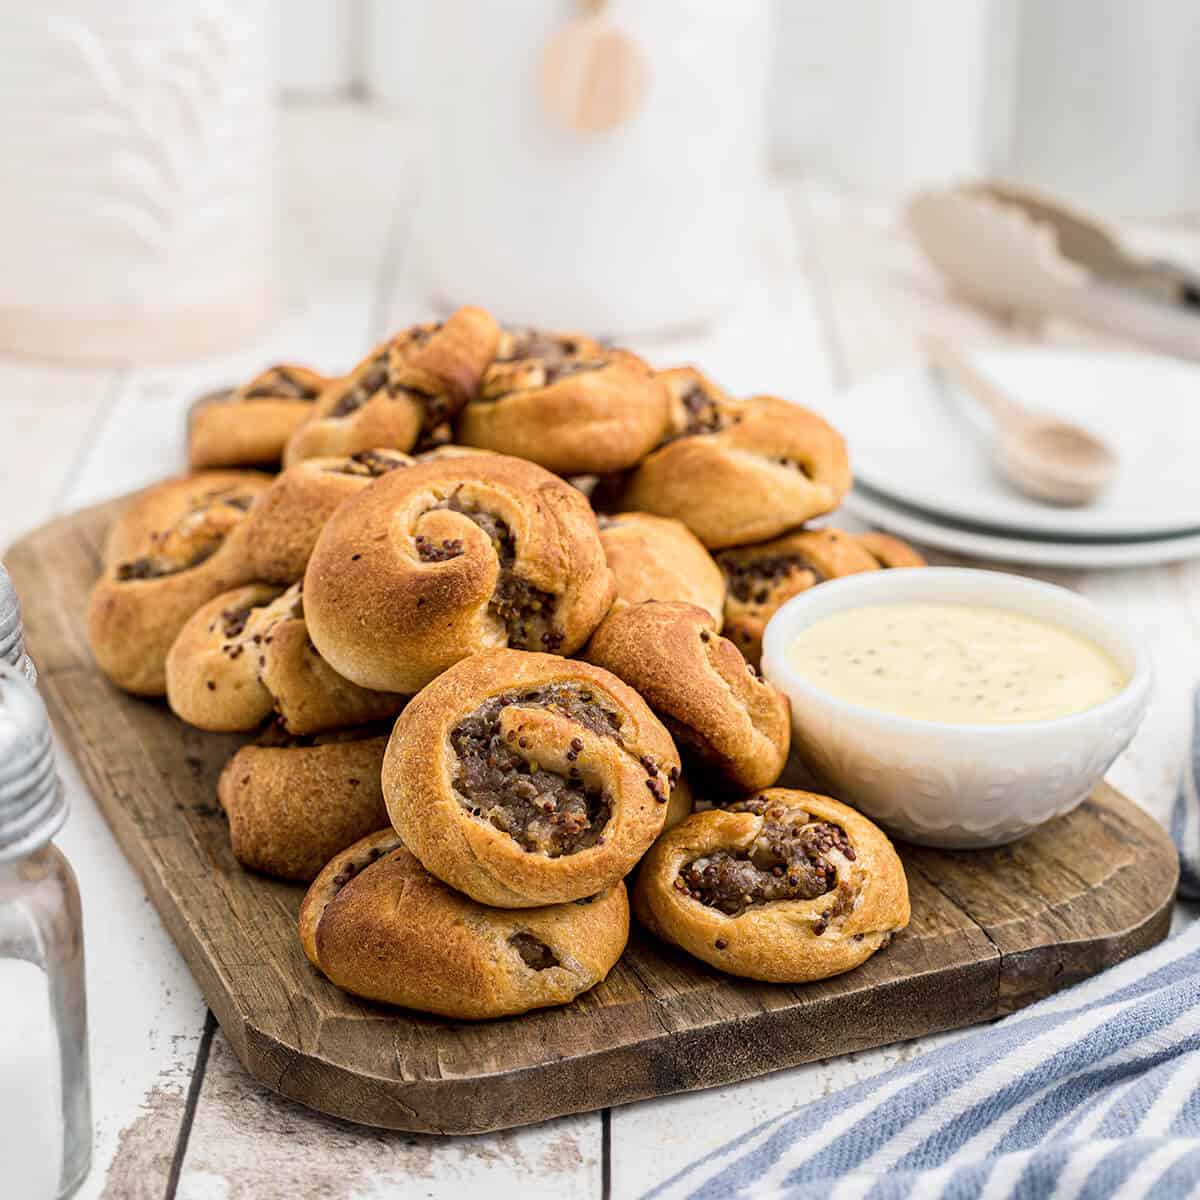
<point x="657" y="558"/>
<point x="176" y="546"/>
<point x="565" y="402"/>
<point x="767" y="466"/>
<point x="377" y="924"/>
<point x="404" y="393"/>
<point x="525" y="779"/>
<point x="888" y="551"/>
<point x="449" y="558"/>
<point x="715" y="705"/>
<point x="292" y="512"/>
<point x="248" y="426"/>
<point x="762" y="577"/>
<point x="246" y="655"/>
<point x="697" y="404"/>
<point x="783" y="940"/>
<point x="293" y="804"/>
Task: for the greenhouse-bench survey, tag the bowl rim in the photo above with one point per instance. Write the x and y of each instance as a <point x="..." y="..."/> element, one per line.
<point x="787" y="621"/>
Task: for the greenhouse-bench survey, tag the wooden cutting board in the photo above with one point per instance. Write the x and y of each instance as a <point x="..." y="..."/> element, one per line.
<point x="991" y="930"/>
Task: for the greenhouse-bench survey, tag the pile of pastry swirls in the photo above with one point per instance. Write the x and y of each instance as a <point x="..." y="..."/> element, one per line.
<point x="471" y="599"/>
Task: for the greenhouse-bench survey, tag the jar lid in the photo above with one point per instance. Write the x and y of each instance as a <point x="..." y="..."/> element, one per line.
<point x="33" y="805"/>
<point x="12" y="630"/>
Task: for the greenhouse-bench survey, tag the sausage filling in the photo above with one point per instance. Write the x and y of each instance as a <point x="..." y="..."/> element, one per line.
<point x="703" y="413"/>
<point x="534" y="953"/>
<point x="280" y="384"/>
<point x="527" y="611"/>
<point x="372" y="380"/>
<point x="544" y="812"/>
<point x="353" y="867"/>
<point x="532" y="359"/>
<point x="752" y="580"/>
<point x="369" y="464"/>
<point x="533" y="343"/>
<point x="788" y="860"/>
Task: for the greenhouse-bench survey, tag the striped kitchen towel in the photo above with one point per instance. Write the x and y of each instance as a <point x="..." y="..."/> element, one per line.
<point x="1185" y="817"/>
<point x="1091" y="1093"/>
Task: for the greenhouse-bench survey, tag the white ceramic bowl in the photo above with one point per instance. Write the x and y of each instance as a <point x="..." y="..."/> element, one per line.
<point x="956" y="785"/>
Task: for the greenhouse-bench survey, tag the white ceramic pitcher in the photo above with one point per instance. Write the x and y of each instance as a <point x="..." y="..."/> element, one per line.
<point x="648" y="226"/>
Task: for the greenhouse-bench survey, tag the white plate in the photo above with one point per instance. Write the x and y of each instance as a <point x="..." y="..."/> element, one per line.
<point x="1082" y="555"/>
<point x="914" y="439"/>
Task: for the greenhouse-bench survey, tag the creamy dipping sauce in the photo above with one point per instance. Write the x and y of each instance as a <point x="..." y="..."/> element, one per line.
<point x="955" y="664"/>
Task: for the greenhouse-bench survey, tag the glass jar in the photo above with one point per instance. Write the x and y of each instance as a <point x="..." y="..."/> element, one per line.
<point x="12" y="630"/>
<point x="45" y="1105"/>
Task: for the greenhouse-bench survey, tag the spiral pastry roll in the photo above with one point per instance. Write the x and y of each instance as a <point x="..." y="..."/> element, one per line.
<point x="404" y="393"/>
<point x="246" y="655"/>
<point x="377" y="924"/>
<point x="283" y="528"/>
<point x="449" y="558"/>
<point x="786" y="887"/>
<point x="743" y="471"/>
<point x="563" y="401"/>
<point x="249" y="426"/>
<point x="716" y="706"/>
<point x="524" y="779"/>
<point x="657" y="558"/>
<point x="179" y="544"/>
<point x="762" y="577"/>
<point x="888" y="551"/>
<point x="293" y="803"/>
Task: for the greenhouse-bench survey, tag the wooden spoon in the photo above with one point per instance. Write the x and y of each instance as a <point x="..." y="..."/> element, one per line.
<point x="594" y="76"/>
<point x="1040" y="455"/>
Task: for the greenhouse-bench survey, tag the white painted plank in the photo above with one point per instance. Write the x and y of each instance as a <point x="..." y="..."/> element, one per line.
<point x="47" y="415"/>
<point x="143" y="436"/>
<point x="247" y="1142"/>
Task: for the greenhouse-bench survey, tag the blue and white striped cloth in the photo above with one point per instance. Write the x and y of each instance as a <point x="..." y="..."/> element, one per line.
<point x="1094" y="1092"/>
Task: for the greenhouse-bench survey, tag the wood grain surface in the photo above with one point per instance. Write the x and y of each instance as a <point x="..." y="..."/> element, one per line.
<point x="991" y="931"/>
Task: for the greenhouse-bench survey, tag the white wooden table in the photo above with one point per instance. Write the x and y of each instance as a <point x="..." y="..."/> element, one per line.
<point x="175" y="1114"/>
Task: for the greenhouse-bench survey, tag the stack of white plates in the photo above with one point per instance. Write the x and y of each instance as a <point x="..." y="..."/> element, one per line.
<point x="920" y="452"/>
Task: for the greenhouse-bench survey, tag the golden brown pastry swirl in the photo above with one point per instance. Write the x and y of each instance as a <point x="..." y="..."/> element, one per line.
<point x="738" y="471"/>
<point x="656" y="558"/>
<point x="449" y="558"/>
<point x="526" y="779"/>
<point x="246" y="655"/>
<point x="295" y="802"/>
<point x="567" y="403"/>
<point x="377" y="924"/>
<point x="713" y="702"/>
<point x="785" y="886"/>
<point x="248" y="426"/>
<point x="404" y="393"/>
<point x="176" y="546"/>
